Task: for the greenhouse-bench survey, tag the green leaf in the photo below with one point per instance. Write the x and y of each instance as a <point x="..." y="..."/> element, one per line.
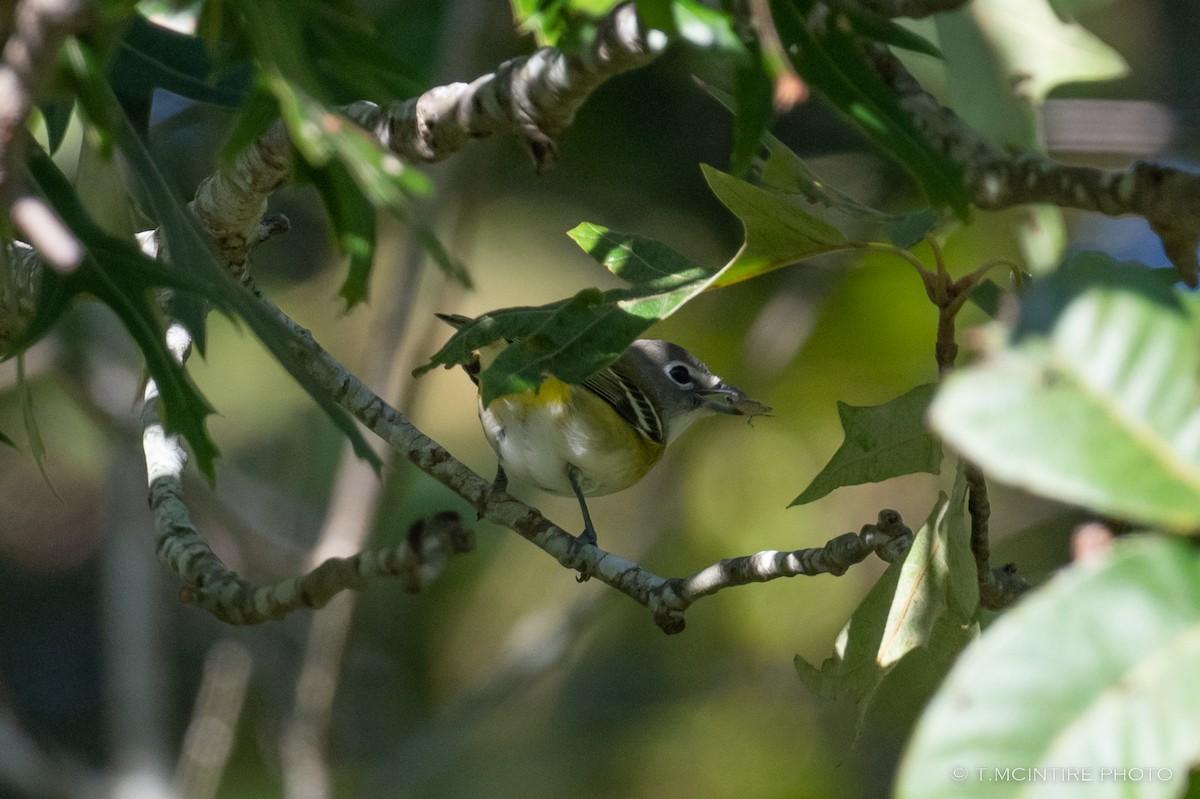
<point x="83" y="73"/>
<point x="986" y="296"/>
<point x="184" y="248"/>
<point x="790" y="174"/>
<point x="191" y="258"/>
<point x="868" y="24"/>
<point x="753" y="92"/>
<point x="295" y="41"/>
<point x="119" y="274"/>
<point x="321" y="135"/>
<point x="57" y="116"/>
<point x="368" y="70"/>
<point x="353" y="220"/>
<point x="641" y="262"/>
<point x="257" y="113"/>
<point x="1098" y="403"/>
<point x="705" y="27"/>
<point x="909" y="230"/>
<point x="854" y="669"/>
<point x="505" y="324"/>
<point x="323" y="138"/>
<point x="1094" y="671"/>
<point x="917" y="606"/>
<point x="778" y="232"/>
<point x="150" y="57"/>
<point x="1003" y="57"/>
<point x="829" y="57"/>
<point x="572" y="340"/>
<point x="276" y="29"/>
<point x="37" y="446"/>
<point x="547" y="20"/>
<point x="116" y="271"/>
<point x="568" y="24"/>
<point x="575" y="338"/>
<point x="998" y="49"/>
<point x="579" y="338"/>
<point x="881" y="442"/>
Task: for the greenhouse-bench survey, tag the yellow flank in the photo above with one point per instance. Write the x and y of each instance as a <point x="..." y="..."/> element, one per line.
<point x="552" y="391"/>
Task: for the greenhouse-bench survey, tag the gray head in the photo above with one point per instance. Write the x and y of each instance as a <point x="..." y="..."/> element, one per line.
<point x="682" y="388"/>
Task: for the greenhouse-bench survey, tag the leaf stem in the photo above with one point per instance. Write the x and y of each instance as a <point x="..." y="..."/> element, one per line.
<point x="999" y="587"/>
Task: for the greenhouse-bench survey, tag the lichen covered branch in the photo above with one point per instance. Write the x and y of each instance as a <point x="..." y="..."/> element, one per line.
<point x="1168" y="198"/>
<point x="998" y="587"/>
<point x="210" y="585"/>
<point x="889" y="538"/>
<point x="534" y="97"/>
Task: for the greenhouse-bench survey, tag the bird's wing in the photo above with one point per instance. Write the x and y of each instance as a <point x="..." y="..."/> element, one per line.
<point x="628" y="400"/>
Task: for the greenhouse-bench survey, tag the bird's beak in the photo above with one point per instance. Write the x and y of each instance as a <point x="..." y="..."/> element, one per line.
<point x="727" y="399"/>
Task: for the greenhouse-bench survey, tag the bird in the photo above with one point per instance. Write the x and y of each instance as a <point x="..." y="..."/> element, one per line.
<point x="604" y="434"/>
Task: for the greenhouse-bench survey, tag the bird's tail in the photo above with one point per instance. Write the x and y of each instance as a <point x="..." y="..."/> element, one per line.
<point x="458" y="322"/>
<point x="455" y="320"/>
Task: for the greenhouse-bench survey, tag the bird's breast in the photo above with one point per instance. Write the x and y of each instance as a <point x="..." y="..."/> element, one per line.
<point x="539" y="436"/>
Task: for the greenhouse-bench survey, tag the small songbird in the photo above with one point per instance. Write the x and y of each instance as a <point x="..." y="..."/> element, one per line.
<point x="604" y="434"/>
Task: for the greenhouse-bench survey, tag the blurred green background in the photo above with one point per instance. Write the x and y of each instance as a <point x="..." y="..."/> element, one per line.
<point x="508" y="678"/>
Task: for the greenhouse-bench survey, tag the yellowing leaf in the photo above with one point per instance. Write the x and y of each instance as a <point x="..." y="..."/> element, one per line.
<point x="778" y="231"/>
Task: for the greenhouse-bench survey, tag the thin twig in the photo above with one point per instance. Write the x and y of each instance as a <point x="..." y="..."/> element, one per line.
<point x="998" y="588"/>
<point x="889" y="538"/>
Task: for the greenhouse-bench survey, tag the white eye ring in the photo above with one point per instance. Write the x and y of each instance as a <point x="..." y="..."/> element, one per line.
<point x="680" y="374"/>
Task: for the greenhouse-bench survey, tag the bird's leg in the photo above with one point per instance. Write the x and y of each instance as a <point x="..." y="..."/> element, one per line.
<point x="500" y="481"/>
<point x="588" y="536"/>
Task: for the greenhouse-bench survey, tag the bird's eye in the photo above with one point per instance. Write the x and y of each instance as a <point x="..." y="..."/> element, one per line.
<point x="679" y="374"/>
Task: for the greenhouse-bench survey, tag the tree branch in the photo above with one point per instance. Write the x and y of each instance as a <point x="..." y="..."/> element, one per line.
<point x="889" y="538"/>
<point x="1168" y="198"/>
<point x="210" y="585"/>
<point x="999" y="587"/>
<point x="534" y="97"/>
<point x="417" y="561"/>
